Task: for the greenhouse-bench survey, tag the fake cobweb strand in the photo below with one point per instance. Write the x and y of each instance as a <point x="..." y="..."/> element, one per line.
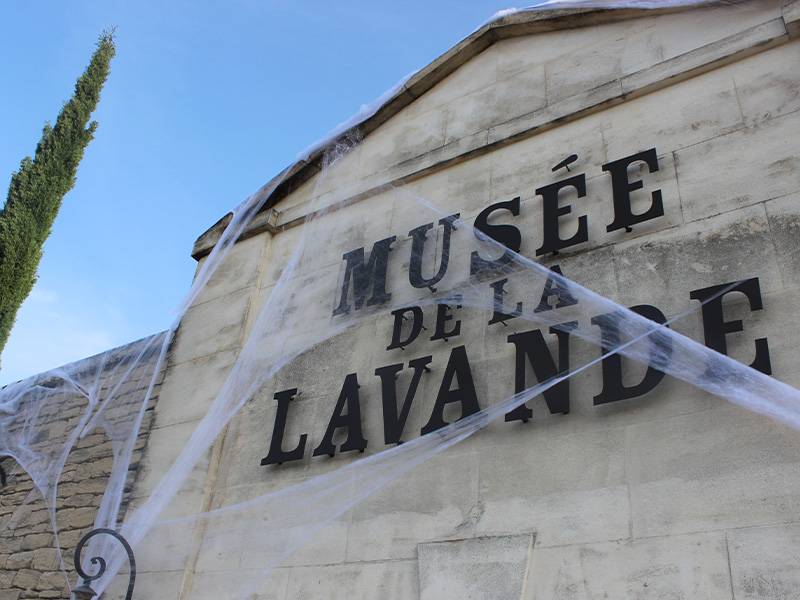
<point x="226" y="411"/>
<point x="739" y="383"/>
<point x="308" y="507"/>
<point x="735" y="382"/>
<point x="370" y="110"/>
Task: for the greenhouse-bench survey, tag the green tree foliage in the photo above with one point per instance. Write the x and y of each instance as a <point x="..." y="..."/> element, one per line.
<point x="37" y="189"/>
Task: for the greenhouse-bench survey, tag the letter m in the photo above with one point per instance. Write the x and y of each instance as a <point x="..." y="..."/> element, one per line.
<point x="365" y="276"/>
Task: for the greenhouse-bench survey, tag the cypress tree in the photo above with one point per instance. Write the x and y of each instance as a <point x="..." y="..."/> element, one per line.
<point x="38" y="188"/>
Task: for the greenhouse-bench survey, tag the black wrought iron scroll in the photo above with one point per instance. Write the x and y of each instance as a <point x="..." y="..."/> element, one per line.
<point x="85" y="591"/>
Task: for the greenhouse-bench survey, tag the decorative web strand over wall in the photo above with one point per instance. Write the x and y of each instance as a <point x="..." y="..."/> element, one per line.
<point x="253" y="536"/>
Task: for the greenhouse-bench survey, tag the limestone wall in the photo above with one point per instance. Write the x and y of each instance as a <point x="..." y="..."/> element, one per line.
<point x="29" y="564"/>
<point x="673" y="494"/>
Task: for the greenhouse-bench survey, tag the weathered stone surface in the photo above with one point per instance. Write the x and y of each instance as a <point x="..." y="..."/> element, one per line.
<point x="51" y="581"/>
<point x="212" y="326"/>
<point x="691" y="473"/>
<point x="26" y="579"/>
<point x="711" y="177"/>
<point x="81" y="517"/>
<point x="692" y="566"/>
<point x="490" y="567"/>
<point x="764" y="562"/>
<point x="784" y="222"/>
<point x="396" y="580"/>
<point x="436" y="502"/>
<point x="165" y="443"/>
<point x="45" y="559"/>
<point x="21" y="560"/>
<point x="29" y="565"/>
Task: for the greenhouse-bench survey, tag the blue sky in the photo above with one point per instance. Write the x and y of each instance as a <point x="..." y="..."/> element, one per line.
<point x="206" y="101"/>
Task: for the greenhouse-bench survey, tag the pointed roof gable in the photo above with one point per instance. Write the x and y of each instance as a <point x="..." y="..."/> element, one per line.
<point x="515" y="24"/>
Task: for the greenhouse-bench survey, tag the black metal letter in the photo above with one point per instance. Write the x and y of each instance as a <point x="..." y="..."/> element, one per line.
<point x="715" y="327"/>
<point x="442" y="317"/>
<point x="551" y="212"/>
<point x="351" y="421"/>
<point x="365" y="276"/>
<point x="508" y="235"/>
<point x="500" y="315"/>
<point x="276" y="453"/>
<point x="555" y="287"/>
<point x="397" y="330"/>
<point x="622" y="188"/>
<point x="613" y="387"/>
<point x="531" y="347"/>
<point x="457" y="368"/>
<point x="419" y="235"/>
<point x="394" y="423"/>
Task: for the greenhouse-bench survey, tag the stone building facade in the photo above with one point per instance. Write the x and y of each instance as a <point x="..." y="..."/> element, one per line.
<point x="672" y="493"/>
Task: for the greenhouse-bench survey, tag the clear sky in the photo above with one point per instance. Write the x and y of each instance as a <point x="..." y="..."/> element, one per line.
<point x="206" y="101"/>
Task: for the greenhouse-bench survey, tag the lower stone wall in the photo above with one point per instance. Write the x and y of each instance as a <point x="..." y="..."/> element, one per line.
<point x="29" y="562"/>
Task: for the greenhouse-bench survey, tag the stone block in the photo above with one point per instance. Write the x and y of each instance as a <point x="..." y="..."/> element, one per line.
<point x="169" y="544"/>
<point x="564" y="110"/>
<point x="665" y="267"/>
<point x="713" y="177"/>
<point x="477" y="568"/>
<point x="296" y="526"/>
<point x="784" y="222"/>
<point x="164" y="586"/>
<point x="281" y="248"/>
<point x="391" y="580"/>
<point x="464" y="188"/>
<point x="573" y="487"/>
<point x="764" y="562"/>
<point x="670" y="35"/>
<point x="689" y="473"/>
<point x="476" y="74"/>
<point x="54" y="580"/>
<point x="518" y="54"/>
<point x="258" y="584"/>
<point x="38" y="540"/>
<point x="436" y="500"/>
<point x="330" y="235"/>
<point x="20" y="560"/>
<point x="401" y="139"/>
<point x="26" y="579"/>
<point x="45" y="559"/>
<point x="211" y="327"/>
<point x="746" y="41"/>
<point x="163" y="447"/>
<point x="491" y="106"/>
<point x="693" y="566"/>
<point x="237" y="269"/>
<point x="520" y="168"/>
<point x="320" y="369"/>
<point x="791" y="16"/>
<point x="340" y="169"/>
<point x="595" y="59"/>
<point x="674" y="117"/>
<point x="767" y="85"/>
<point x="778" y="323"/>
<point x="191" y="387"/>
